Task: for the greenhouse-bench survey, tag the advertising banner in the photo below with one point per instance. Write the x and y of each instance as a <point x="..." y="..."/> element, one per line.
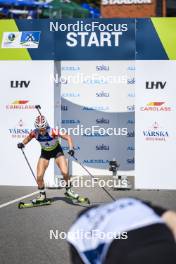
<point x="155" y="129"/>
<point x="72" y="77"/>
<point x="27" y="84"/>
<point x="88" y="39"/>
<point x="69" y="39"/>
<point x="98" y="109"/>
<point x="155" y="39"/>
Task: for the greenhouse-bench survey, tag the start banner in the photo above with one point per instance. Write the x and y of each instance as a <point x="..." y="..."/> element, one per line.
<point x="88" y="39"/>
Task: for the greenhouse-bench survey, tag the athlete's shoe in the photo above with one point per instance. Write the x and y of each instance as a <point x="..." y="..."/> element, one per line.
<point x="41" y="198"/>
<point x="71" y="194"/>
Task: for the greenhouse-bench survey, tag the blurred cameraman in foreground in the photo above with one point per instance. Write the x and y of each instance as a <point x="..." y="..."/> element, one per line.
<point x="98" y="235"/>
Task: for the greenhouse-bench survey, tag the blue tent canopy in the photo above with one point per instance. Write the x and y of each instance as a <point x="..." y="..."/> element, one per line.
<point x="30" y="3"/>
<point x="7" y="2"/>
<point x="94" y="12"/>
<point x="23" y="3"/>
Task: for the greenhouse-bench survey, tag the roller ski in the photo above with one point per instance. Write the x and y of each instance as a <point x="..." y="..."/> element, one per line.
<point x="75" y="198"/>
<point x="39" y="201"/>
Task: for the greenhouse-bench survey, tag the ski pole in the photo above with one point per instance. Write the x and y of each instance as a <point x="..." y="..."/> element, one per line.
<point x="38" y="107"/>
<point x="93" y="177"/>
<point x="29" y="165"/>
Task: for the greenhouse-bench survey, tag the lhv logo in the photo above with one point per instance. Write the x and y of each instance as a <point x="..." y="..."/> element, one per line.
<point x="155" y="85"/>
<point x="19" y="84"/>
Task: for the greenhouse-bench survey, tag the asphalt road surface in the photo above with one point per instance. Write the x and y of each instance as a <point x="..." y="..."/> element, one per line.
<point x="25" y="233"/>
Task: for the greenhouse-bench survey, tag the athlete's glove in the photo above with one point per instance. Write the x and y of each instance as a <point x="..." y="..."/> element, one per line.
<point x="20" y="145"/>
<point x="71" y="152"/>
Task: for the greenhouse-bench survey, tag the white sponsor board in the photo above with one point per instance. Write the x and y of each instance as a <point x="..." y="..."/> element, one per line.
<point x="24" y="84"/>
<point x="28" y="83"/>
<point x="155" y="125"/>
<point x="99" y="94"/>
<point x="102" y="85"/>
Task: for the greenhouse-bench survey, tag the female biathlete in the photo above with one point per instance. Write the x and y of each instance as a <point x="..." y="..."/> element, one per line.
<point x="50" y="148"/>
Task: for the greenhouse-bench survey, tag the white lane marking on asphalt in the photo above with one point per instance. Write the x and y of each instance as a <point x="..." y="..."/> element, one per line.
<point x="18" y="199"/>
<point x="28" y="195"/>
